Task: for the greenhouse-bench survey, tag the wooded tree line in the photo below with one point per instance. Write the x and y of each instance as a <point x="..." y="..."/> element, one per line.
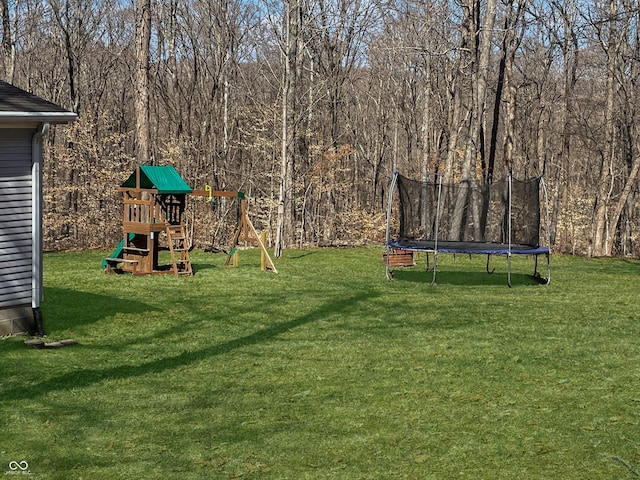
<point x="308" y="106"/>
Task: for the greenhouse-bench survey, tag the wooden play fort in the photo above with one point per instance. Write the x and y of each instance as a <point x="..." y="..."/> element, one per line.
<point x="154" y="200"/>
<point x="154" y="203"/>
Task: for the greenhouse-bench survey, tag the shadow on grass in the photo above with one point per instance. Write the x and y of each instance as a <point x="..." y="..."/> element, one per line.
<point x="463" y="278"/>
<point x="300" y="254"/>
<point x="66" y="308"/>
<point x="87" y="377"/>
<point x="201" y="267"/>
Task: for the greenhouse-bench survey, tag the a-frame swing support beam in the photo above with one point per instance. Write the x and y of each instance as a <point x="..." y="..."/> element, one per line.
<point x="245" y="231"/>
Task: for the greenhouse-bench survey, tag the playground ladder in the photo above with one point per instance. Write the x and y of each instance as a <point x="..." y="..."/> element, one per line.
<point x="177" y="241"/>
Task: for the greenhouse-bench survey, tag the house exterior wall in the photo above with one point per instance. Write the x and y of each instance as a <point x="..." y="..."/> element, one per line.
<point x="16" y="231"/>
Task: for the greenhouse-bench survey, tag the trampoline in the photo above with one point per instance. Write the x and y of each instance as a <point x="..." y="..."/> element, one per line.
<point x="502" y="218"/>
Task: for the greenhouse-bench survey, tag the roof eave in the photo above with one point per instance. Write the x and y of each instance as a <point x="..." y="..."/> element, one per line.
<point x="50" y="117"/>
<point x="175" y="192"/>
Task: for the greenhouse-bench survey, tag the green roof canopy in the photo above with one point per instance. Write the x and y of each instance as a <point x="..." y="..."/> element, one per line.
<point x="165" y="179"/>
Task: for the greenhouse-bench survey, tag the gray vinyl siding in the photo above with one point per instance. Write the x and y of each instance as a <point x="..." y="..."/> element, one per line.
<point x="16" y="229"/>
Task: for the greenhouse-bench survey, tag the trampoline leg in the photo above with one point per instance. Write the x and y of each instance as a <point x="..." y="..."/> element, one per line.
<point x="509" y="270"/>
<point x="494" y="268"/>
<point x="435" y="267"/>
<point x="548" y="270"/>
<point x="536" y="274"/>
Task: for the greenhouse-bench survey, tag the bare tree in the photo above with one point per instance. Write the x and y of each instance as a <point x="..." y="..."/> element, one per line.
<point x="477" y="110"/>
<point x="505" y="89"/>
<point x="291" y="78"/>
<point x="76" y="21"/>
<point x="458" y="118"/>
<point x="141" y="101"/>
<point x="312" y="121"/>
<point x="607" y="209"/>
<point x="8" y="45"/>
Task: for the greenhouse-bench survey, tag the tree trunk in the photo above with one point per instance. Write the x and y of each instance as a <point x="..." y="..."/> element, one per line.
<point x="141" y="101"/>
<point x="481" y="70"/>
<point x="290" y="87"/>
<point x="601" y="226"/>
<point x="622" y="200"/>
<point x="570" y="54"/>
<point x="70" y="28"/>
<point x="456" y="121"/>
<point x="505" y="92"/>
<point x="8" y="46"/>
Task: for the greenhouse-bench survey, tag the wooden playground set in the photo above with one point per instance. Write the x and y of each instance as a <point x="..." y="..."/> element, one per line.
<point x="154" y="203"/>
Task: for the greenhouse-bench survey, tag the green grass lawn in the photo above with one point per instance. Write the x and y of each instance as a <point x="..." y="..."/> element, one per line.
<point x="327" y="370"/>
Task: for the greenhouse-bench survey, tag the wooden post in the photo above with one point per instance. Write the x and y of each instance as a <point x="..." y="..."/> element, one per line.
<point x="245" y="217"/>
<point x="263" y="260"/>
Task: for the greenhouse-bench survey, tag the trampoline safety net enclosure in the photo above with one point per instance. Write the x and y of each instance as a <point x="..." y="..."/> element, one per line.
<point x="502" y="218"/>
